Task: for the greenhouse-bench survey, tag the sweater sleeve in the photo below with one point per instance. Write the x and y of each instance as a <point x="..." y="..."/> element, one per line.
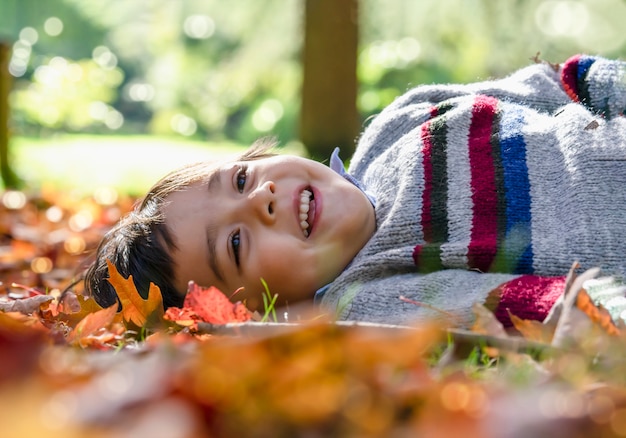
<point x="448" y="295"/>
<point x="597" y="83"/>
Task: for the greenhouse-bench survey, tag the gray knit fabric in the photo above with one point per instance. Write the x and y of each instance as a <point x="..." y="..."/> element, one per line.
<point x="560" y="199"/>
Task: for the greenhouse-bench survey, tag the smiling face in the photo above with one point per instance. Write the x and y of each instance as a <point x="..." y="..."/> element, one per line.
<point x="292" y="222"/>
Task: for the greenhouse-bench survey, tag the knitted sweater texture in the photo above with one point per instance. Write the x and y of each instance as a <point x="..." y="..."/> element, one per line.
<point x="501" y="182"/>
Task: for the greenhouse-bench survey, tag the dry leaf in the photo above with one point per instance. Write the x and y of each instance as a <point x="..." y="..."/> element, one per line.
<point x="486" y="322"/>
<point x="572" y="322"/>
<point x="599" y="315"/>
<point x="92" y="323"/>
<point x="533" y="330"/>
<point x="87" y="306"/>
<point x="25" y="305"/>
<point x="136" y="311"/>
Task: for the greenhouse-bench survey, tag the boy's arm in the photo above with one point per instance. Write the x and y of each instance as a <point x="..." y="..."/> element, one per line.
<point x="597" y="83"/>
<point x="448" y="294"/>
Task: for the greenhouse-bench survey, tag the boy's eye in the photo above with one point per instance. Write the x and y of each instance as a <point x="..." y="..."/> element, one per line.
<point x="241" y="178"/>
<point x="235" y="241"/>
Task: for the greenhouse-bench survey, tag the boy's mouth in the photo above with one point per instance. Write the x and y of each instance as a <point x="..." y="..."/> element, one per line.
<point x="307" y="211"/>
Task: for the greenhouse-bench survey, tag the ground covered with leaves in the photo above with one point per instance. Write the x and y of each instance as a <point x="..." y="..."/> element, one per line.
<point x="70" y="368"/>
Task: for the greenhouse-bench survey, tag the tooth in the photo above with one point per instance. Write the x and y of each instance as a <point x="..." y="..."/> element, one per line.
<point x="303" y="216"/>
<point x="306" y="233"/>
<point x="304" y="225"/>
<point x="306" y="193"/>
<point x="304" y="208"/>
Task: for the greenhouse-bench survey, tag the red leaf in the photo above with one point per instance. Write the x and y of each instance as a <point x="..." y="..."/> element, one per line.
<point x="211" y="305"/>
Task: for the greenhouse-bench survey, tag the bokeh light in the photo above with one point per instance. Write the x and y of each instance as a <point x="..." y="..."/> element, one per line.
<point x="29" y="35"/>
<point x="54" y="214"/>
<point x="183" y="125"/>
<point x="81" y="221"/>
<point x="41" y="265"/>
<point x="103" y="56"/>
<point x="199" y="26"/>
<point x="267" y="115"/>
<point x="74" y="245"/>
<point x="105" y="195"/>
<point x="13" y="200"/>
<point x="53" y="26"/>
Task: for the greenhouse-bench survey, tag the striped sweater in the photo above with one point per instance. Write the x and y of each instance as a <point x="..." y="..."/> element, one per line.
<point x="493" y="186"/>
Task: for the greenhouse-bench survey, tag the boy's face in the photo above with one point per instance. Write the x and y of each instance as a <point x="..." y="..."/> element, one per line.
<point x="291" y="221"/>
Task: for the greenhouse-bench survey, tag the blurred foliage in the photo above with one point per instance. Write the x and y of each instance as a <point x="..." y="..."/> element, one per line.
<point x="231" y="70"/>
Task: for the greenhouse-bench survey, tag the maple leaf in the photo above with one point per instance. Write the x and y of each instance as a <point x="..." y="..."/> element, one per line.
<point x="92" y="323"/>
<point x="136" y="311"/>
<point x="208" y="305"/>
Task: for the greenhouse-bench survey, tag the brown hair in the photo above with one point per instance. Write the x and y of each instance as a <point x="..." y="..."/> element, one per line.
<point x="140" y="244"/>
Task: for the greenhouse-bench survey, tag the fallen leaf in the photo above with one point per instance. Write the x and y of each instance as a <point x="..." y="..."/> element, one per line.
<point x="87" y="306"/>
<point x="533" y="330"/>
<point x="573" y="323"/>
<point x="184" y="317"/>
<point x="25" y="305"/>
<point x="599" y="315"/>
<point x="486" y="323"/>
<point x="135" y="310"/>
<point x="91" y="324"/>
<point x="208" y="305"/>
<point x="211" y="305"/>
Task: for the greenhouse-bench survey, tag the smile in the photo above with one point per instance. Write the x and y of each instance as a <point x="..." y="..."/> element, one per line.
<point x="307" y="211"/>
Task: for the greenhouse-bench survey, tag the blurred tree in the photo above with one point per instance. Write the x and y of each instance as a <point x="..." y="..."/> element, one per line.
<point x="328" y="116"/>
<point x="9" y="178"/>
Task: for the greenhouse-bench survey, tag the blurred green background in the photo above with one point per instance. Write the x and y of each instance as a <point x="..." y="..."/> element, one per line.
<point x="178" y="80"/>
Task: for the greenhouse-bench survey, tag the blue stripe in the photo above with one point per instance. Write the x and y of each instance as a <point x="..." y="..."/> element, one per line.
<point x="584" y="63"/>
<point x="517" y="189"/>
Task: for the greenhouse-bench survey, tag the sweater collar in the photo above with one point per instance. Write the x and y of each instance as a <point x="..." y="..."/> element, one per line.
<point x="337" y="165"/>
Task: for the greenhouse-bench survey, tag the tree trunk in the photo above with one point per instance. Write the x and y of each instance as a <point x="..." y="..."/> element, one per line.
<point x="9" y="178"/>
<point x="328" y="116"/>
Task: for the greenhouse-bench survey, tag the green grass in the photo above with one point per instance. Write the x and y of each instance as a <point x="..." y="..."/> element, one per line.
<point x="83" y="163"/>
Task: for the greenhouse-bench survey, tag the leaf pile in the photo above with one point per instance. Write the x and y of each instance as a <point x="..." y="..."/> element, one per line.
<point x="73" y="369"/>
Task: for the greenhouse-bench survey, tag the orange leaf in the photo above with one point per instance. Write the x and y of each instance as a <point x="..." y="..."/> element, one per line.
<point x="91" y="323"/>
<point x="135" y="310"/>
<point x="533" y="330"/>
<point x="184" y="317"/>
<point x="87" y="306"/>
<point x="212" y="306"/>
<point x="599" y="315"/>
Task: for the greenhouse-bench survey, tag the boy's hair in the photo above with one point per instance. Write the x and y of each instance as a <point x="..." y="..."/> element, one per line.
<point x="140" y="244"/>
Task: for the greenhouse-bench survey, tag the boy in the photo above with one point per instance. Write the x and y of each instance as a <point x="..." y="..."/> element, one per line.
<point x="456" y="194"/>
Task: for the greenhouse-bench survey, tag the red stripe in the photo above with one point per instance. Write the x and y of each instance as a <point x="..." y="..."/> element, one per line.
<point x="528" y="297"/>
<point x="569" y="77"/>
<point x="483" y="243"/>
<point x="427" y="163"/>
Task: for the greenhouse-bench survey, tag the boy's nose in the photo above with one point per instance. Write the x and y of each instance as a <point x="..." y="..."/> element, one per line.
<point x="264" y="202"/>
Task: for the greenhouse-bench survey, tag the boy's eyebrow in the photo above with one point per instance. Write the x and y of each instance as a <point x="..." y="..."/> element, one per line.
<point x="214" y="182"/>
<point x="211" y="240"/>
